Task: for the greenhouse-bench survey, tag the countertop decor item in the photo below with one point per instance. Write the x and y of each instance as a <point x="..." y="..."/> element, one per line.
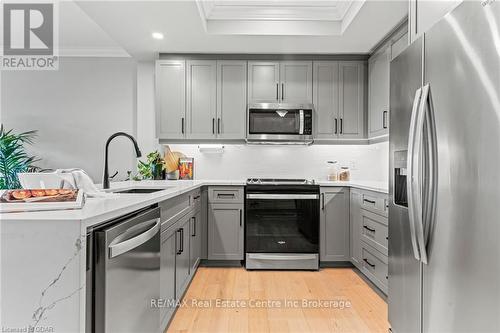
<point x="24" y="200"/>
<point x="344" y="174"/>
<point x="186" y="168"/>
<point x="333" y="170"/>
<point x="13" y="157"/>
<point x="153" y="168"/>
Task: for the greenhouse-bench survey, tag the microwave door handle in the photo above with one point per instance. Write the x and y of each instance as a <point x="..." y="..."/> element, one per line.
<point x="301" y="122"/>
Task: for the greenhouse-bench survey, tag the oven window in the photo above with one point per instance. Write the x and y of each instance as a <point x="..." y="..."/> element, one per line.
<point x="282" y="226"/>
<point x="274" y="122"/>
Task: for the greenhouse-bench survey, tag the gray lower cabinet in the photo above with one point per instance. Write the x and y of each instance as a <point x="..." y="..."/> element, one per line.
<point x="378" y="93"/>
<point x="168" y="252"/>
<point x="352" y="101"/>
<point x="355" y="228"/>
<point x="225" y="231"/>
<point x="201" y="82"/>
<point x="170" y="85"/>
<point x="263" y="81"/>
<point x="231" y="99"/>
<point x="334" y="224"/>
<point x="182" y="263"/>
<point x="195" y="242"/>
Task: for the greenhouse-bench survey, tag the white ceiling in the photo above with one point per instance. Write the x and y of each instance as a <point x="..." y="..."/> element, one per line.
<point x="277" y="17"/>
<point x="129" y="24"/>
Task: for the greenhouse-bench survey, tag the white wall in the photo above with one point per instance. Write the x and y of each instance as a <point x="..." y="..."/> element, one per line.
<point x="75" y="109"/>
<point x="244" y="161"/>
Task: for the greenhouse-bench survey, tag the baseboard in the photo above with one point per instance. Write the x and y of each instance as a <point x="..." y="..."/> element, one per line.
<point x="335" y="264"/>
<point x="221" y="263"/>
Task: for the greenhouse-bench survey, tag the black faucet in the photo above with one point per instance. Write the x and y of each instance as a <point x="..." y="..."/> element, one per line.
<point x="105" y="177"/>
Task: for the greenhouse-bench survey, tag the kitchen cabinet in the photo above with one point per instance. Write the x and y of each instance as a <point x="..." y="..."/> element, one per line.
<point x="182" y="264"/>
<point x="263" y="82"/>
<point x="422" y="15"/>
<point x="225" y="231"/>
<point x="351" y="99"/>
<point x="339" y="99"/>
<point x="168" y="252"/>
<point x="355" y="228"/>
<point x="201" y="99"/>
<point x="280" y="82"/>
<point x="195" y="242"/>
<point x="231" y="99"/>
<point x="378" y="92"/>
<point x="334" y="224"/>
<point x="170" y="85"/>
<point x="296" y="82"/>
<point x="326" y="99"/>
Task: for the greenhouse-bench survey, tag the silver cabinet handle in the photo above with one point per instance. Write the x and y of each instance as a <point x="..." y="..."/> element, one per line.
<point x="283" y="196"/>
<point x="411" y="173"/>
<point x="118" y="247"/>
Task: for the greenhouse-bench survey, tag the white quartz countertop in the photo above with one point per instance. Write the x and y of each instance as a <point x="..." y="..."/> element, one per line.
<point x="97" y="210"/>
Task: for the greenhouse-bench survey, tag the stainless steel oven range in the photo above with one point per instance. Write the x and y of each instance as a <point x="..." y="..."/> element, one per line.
<point x="282" y="224"/>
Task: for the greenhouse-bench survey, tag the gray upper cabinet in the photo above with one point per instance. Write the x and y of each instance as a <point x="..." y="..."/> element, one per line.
<point x="231" y="99"/>
<point x="334" y="224"/>
<point x="201" y="99"/>
<point x="351" y="99"/>
<point x="326" y="99"/>
<point x="378" y="93"/>
<point x="263" y="82"/>
<point x="296" y="82"/>
<point x="225" y="231"/>
<point x="170" y="98"/>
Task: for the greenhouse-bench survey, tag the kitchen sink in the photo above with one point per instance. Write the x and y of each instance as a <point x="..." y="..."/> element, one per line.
<point x="141" y="190"/>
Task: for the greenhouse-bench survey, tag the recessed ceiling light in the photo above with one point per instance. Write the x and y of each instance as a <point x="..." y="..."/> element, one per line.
<point x="157" y="35"/>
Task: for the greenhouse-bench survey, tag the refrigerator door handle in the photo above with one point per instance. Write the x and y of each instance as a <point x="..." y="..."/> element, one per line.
<point x="426" y="192"/>
<point x="410" y="173"/>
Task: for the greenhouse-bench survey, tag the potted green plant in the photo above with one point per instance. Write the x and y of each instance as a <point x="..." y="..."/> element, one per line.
<point x="14" y="158"/>
<point x="153" y="168"/>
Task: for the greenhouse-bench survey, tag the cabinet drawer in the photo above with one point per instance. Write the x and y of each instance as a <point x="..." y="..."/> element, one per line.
<point x="375" y="202"/>
<point x="196" y="200"/>
<point x="374" y="230"/>
<point x="375" y="266"/>
<point x="173" y="209"/>
<point x="225" y="194"/>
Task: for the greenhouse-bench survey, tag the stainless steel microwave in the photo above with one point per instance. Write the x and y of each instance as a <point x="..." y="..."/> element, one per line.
<point x="280" y="123"/>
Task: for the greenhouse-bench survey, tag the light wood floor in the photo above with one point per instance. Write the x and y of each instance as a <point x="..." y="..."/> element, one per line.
<point x="367" y="311"/>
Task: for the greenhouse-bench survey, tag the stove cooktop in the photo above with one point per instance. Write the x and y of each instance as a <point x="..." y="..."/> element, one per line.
<point x="277" y="181"/>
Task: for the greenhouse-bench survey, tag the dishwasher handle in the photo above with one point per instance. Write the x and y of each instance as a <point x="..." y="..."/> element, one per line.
<point x="118" y="247"/>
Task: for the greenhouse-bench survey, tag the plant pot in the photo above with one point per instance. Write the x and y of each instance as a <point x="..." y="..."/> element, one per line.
<point x="157" y="171"/>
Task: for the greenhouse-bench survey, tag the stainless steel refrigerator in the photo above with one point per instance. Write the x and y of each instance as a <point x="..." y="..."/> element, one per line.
<point x="444" y="214"/>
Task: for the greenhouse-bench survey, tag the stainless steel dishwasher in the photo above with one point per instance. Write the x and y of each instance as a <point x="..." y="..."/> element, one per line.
<point x="127" y="274"/>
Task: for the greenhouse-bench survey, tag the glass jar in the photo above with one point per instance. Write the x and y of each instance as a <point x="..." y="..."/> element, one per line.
<point x="333" y="171"/>
<point x="344" y="174"/>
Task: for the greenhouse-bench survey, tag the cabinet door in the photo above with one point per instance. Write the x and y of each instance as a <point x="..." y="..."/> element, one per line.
<point x="263" y="82"/>
<point x="326" y="99"/>
<point x="168" y="252"/>
<point x="225" y="232"/>
<point x="352" y="100"/>
<point x="170" y="88"/>
<point x="201" y="99"/>
<point x="378" y="93"/>
<point x="231" y="99"/>
<point x="195" y="233"/>
<point x="334" y="224"/>
<point x="182" y="264"/>
<point x="355" y="229"/>
<point x="296" y="82"/>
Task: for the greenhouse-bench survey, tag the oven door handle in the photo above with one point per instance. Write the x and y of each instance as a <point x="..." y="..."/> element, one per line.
<point x="280" y="257"/>
<point x="283" y="196"/>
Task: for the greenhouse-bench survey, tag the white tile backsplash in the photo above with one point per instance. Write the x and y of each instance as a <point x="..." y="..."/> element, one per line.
<point x="370" y="162"/>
